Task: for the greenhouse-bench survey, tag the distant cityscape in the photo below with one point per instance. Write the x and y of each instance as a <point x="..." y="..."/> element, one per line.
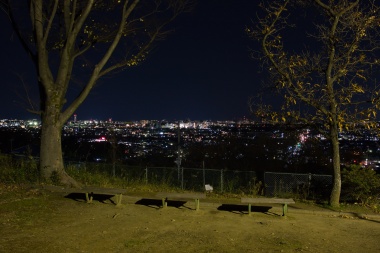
<point x="232" y="145"/>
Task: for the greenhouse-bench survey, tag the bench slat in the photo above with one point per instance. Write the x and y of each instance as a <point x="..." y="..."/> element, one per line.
<point x="176" y="195"/>
<point x="267" y="201"/>
<point x="98" y="190"/>
<point x="180" y="196"/>
<point x="284" y="203"/>
<point x="91" y="191"/>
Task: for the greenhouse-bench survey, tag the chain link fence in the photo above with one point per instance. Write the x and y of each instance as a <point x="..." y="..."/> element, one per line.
<point x="183" y="178"/>
<point x="303" y="186"/>
<point x="195" y="179"/>
<point x="230" y="181"/>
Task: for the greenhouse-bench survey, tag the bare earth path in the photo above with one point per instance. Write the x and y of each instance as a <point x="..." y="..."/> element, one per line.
<point x="49" y="222"/>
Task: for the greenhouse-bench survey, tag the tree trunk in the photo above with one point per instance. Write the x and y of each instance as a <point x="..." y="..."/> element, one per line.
<point x="51" y="160"/>
<point x="337" y="182"/>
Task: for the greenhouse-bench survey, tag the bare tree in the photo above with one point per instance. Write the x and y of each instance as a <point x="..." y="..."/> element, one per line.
<point x="86" y="40"/>
<point x="327" y="77"/>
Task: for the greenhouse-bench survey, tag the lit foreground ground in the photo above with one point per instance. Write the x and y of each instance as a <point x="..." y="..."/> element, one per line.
<point x="48" y="222"/>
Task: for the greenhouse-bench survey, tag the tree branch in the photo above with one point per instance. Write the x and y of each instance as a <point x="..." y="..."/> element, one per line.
<point x="50" y="22"/>
<point x="95" y="74"/>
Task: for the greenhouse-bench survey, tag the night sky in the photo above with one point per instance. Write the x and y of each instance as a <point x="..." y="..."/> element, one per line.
<point x="202" y="71"/>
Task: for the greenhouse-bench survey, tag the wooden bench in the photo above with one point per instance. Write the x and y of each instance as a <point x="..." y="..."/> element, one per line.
<point x="91" y="191"/>
<point x="284" y="203"/>
<point x="180" y="196"/>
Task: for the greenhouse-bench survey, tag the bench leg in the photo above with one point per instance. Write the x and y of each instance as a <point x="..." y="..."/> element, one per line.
<point x="118" y="199"/>
<point x="196" y="204"/>
<point x="164" y="202"/>
<point x="89" y="197"/>
<point x="284" y="209"/>
<point x="249" y="209"/>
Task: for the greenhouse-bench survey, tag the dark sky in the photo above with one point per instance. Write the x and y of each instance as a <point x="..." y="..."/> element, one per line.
<point x="202" y="71"/>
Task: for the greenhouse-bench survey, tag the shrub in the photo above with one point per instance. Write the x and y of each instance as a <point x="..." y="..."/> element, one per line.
<point x="21" y="170"/>
<point x="360" y="184"/>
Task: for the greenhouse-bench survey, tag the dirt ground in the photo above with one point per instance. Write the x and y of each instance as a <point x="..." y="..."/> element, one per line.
<point x="43" y="221"/>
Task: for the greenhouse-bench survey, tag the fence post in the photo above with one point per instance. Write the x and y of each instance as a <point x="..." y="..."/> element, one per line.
<point x="204" y="174"/>
<point x="182" y="180"/>
<point x="221" y="180"/>
<point x="146" y="174"/>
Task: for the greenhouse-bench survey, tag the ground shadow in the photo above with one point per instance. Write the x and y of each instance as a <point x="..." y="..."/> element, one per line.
<point x="243" y="209"/>
<point x="81" y="197"/>
<point x="157" y="203"/>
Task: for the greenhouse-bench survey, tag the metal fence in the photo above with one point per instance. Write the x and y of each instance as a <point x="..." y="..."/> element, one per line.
<point x="302" y="185"/>
<point x="231" y="181"/>
<point x="184" y="178"/>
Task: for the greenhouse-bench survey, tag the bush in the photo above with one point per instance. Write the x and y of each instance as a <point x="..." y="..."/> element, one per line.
<point x="361" y="185"/>
<point x="21" y="170"/>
